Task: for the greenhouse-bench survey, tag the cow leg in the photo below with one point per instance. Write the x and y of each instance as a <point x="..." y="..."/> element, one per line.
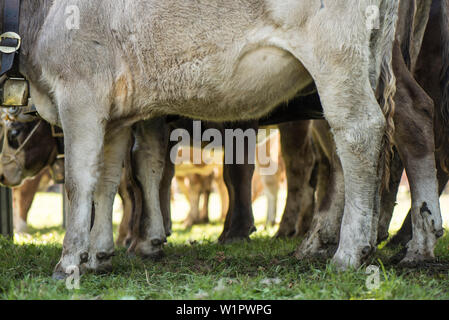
<point x="404" y="235"/>
<point x="271" y="188"/>
<point x="124" y="228"/>
<point x="22" y="200"/>
<point x="224" y="197"/>
<point x="299" y="158"/>
<point x="358" y="126"/>
<point x="84" y="132"/>
<point x="150" y="155"/>
<point x="193" y="196"/>
<point x="206" y="192"/>
<point x="414" y="137"/>
<point x="322" y="239"/>
<point x="165" y="191"/>
<point x="101" y="247"/>
<point x="388" y="198"/>
<point x="239" y="223"/>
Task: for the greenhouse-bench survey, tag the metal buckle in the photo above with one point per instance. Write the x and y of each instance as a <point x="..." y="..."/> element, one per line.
<point x="10" y="35"/>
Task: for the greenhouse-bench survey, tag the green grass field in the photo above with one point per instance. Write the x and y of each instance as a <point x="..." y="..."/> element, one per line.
<point x="196" y="267"/>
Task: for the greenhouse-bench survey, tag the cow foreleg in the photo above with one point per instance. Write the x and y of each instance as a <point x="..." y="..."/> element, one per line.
<point x="358" y="126"/>
<point x="84" y="139"/>
<point x="150" y="155"/>
<point x="101" y="247"/>
<point x="239" y="223"/>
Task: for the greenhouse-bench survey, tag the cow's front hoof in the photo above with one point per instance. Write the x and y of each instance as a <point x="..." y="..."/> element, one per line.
<point x="313" y="247"/>
<point x="150" y="249"/>
<point x="347" y="259"/>
<point x="236" y="235"/>
<point x="71" y="264"/>
<point x="100" y="262"/>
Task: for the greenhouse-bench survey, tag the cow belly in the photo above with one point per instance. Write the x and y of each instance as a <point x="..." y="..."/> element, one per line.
<point x="265" y="77"/>
<point x="260" y="80"/>
<point x="269" y="68"/>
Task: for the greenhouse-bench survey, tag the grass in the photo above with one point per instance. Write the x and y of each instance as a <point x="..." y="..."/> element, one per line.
<point x="196" y="267"/>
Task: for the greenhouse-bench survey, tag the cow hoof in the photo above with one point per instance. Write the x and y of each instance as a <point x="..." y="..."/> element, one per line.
<point x="155" y="256"/>
<point x="20" y="226"/>
<point x="102" y="256"/>
<point x="284" y="233"/>
<point x="413" y="258"/>
<point x="345" y="260"/>
<point x="59" y="275"/>
<point x="313" y="248"/>
<point x="233" y="236"/>
<point x="157" y="242"/>
<point x="439" y="233"/>
<point x="84" y="257"/>
<point x="150" y="249"/>
<point x="235" y="239"/>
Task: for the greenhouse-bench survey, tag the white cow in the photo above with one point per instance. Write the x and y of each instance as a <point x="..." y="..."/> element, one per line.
<point x="129" y="60"/>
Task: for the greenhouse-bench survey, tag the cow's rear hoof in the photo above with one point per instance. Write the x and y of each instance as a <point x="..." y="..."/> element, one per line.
<point x="59" y="275"/>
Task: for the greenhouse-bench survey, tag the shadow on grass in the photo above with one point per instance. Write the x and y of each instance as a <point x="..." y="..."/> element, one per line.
<point x="39" y="231"/>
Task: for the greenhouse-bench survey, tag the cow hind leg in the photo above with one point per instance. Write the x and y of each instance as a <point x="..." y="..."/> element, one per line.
<point x="101" y="247"/>
<point x="388" y="199"/>
<point x="322" y="238"/>
<point x="414" y="138"/>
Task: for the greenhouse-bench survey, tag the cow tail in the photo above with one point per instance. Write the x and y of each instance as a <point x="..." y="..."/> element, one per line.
<point x="387" y="83"/>
<point x="444" y="82"/>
